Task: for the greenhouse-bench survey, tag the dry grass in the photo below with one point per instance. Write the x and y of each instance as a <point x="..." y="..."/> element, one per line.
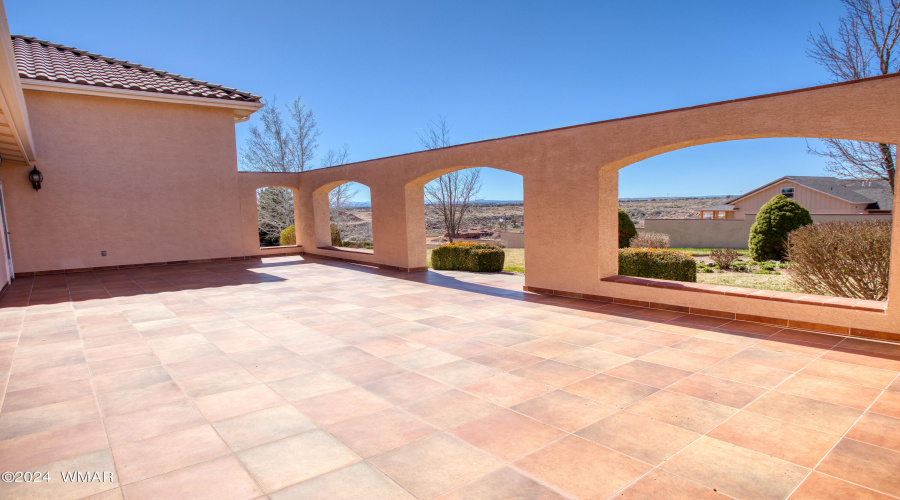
<point x="777" y="282"/>
<point x="515" y="259"/>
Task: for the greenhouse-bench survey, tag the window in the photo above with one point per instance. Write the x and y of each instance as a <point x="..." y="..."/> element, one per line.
<point x="787" y="192"/>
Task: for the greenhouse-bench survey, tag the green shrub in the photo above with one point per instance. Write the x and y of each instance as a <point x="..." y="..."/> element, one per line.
<point x="778" y="217"/>
<point x="336" y="236"/>
<point x="657" y="263"/>
<point x="288" y="237"/>
<point x="626" y="229"/>
<point x="468" y="256"/>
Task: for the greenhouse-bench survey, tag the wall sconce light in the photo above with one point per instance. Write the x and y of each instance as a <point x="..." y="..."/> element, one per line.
<point x="36" y="177"/>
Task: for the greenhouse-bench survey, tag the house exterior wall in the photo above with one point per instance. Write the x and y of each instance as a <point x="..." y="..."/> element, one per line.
<point x="145" y="181"/>
<point x="814" y="201"/>
<point x="719" y="233"/>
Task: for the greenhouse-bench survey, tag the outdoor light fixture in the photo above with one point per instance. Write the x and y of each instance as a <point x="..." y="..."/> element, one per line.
<point x="36" y="177"/>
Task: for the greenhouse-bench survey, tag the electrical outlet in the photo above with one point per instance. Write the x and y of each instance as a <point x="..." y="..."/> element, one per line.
<point x="103" y="253"/>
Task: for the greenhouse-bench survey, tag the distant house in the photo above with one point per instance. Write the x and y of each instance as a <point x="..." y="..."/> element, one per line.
<point x="819" y="195"/>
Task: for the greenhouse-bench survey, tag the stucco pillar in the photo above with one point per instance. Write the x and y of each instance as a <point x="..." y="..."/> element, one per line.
<point x="893" y="307"/>
<point x="398" y="225"/>
<point x="608" y="223"/>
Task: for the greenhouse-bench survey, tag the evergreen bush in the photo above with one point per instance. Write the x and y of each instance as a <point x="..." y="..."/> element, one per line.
<point x="778" y="217"/>
<point x="288" y="237"/>
<point x="626" y="229"/>
<point x="336" y="240"/>
<point x="657" y="263"/>
<point x="468" y="256"/>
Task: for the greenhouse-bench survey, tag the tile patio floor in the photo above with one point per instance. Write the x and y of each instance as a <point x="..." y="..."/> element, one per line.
<point x="299" y="378"/>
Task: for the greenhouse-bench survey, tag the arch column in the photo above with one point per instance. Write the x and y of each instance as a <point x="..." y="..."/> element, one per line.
<point x="398" y="225"/>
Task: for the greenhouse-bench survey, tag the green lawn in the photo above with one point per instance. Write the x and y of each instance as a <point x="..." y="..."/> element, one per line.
<point x="702" y="252"/>
<point x="778" y="282"/>
<point x="515" y="260"/>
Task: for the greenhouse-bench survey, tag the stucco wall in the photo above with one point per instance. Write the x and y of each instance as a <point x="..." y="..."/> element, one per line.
<point x="4" y="253"/>
<point x="145" y="181"/>
<point x="713" y="233"/>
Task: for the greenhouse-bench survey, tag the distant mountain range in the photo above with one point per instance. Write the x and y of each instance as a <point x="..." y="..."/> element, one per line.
<point x="366" y="204"/>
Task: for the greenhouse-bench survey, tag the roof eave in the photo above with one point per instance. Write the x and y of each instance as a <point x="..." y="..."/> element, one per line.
<point x="12" y="99"/>
<point x="242" y="109"/>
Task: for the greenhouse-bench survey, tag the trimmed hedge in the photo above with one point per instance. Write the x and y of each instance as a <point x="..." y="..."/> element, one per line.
<point x="626" y="229"/>
<point x="288" y="237"/>
<point x="778" y="217"/>
<point x="468" y="256"/>
<point x="336" y="240"/>
<point x="657" y="263"/>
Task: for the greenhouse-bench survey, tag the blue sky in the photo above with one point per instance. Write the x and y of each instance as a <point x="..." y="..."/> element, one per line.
<point x="376" y="72"/>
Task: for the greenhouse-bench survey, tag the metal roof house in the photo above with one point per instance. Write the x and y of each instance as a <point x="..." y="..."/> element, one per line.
<point x="819" y="195"/>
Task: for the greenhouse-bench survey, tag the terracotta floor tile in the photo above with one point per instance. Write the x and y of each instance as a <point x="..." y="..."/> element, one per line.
<point x="687" y="412"/>
<point x="506" y="389"/>
<point x="151" y="422"/>
<point x="47" y="395"/>
<point x="610" y="328"/>
<point x="505" y="338"/>
<point x="264" y="426"/>
<point x="161" y="454"/>
<point x="460" y="372"/>
<point x="309" y="385"/>
<point x="800" y="445"/>
<point x="862" y="358"/>
<point x="736" y="471"/>
<point x="582" y="468"/>
<point x="626" y="347"/>
<point x="26" y="452"/>
<point x="100" y="461"/>
<point x="389" y="346"/>
<point x="505" y="359"/>
<point x="380" y="432"/>
<point x="580" y="337"/>
<point x="134" y="379"/>
<point x="821" y="487"/>
<point x="47" y="376"/>
<point x="335" y="358"/>
<point x="791" y="335"/>
<point x="118" y="365"/>
<point x="553" y="373"/>
<point x="199" y="366"/>
<point x="369" y="371"/>
<point x="748" y="373"/>
<point x="877" y="429"/>
<point x="657" y="337"/>
<point x="681" y="359"/>
<point x="592" y="359"/>
<point x="864" y="464"/>
<point x="819" y="415"/>
<point x="406" y="387"/>
<point x="773" y="359"/>
<point x="709" y="347"/>
<point x="726" y="392"/>
<point x="848" y="372"/>
<point x="830" y="391"/>
<point x="564" y="410"/>
<point x="545" y="348"/>
<point x="217" y="479"/>
<point x="611" y="390"/>
<point x="422" y="358"/>
<point x="887" y="404"/>
<point x="660" y="484"/>
<point x="450" y="409"/>
<point x="649" y="373"/>
<point x="638" y="437"/>
<point x="338" y="406"/>
<point x="45" y="418"/>
<point x="350" y="483"/>
<point x="434" y="465"/>
<point x="289" y="461"/>
<point x="217" y="382"/>
<point x="232" y="403"/>
<point x="502" y="484"/>
<point x="507" y="435"/>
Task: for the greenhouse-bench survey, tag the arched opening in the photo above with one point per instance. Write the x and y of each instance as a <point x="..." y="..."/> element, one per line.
<point x="275" y="216"/>
<point x="344" y="217"/>
<point x="703" y="200"/>
<point x="476" y="204"/>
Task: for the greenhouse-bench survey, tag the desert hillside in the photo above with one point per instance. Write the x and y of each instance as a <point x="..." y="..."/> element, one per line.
<point x="356" y="223"/>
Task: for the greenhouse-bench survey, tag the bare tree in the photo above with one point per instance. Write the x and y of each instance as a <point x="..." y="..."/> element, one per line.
<point x="280" y="145"/>
<point x="339" y="197"/>
<point x="865" y="45"/>
<point x="451" y="194"/>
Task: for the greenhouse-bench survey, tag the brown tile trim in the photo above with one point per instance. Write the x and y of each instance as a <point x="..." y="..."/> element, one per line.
<point x="873" y="334"/>
<point x="769" y="295"/>
<point x="4" y="289"/>
<point x="150" y="264"/>
<point x="806" y="325"/>
<point x="803" y="325"/>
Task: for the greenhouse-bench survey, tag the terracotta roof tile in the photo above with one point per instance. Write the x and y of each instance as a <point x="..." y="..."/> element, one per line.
<point x="41" y="60"/>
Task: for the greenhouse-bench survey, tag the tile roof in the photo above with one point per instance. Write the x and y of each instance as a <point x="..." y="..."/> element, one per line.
<point x="41" y="60"/>
<point x="877" y="193"/>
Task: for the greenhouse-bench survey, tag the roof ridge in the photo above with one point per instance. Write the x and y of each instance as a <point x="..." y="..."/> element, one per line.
<point x="127" y="64"/>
